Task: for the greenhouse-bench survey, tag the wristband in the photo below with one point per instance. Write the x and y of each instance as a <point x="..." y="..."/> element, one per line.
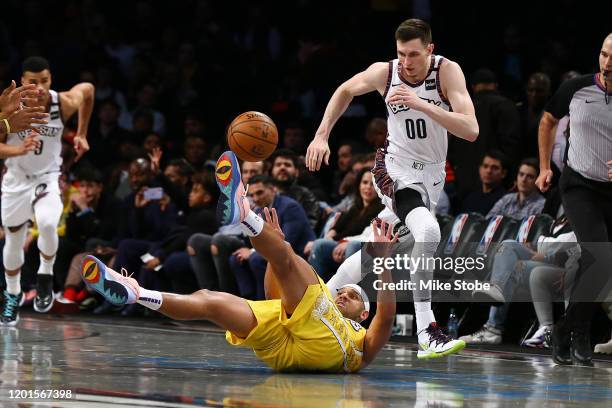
<point x="8" y="127"/>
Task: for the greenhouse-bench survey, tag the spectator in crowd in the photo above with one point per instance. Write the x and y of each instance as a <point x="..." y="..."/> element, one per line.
<point x="294" y="138"/>
<point x="145" y="221"/>
<point x="376" y="133"/>
<point x="146" y="101"/>
<point x="527" y="200"/>
<point x="105" y="139"/>
<point x="285" y="172"/>
<point x="492" y="172"/>
<point x="500" y="129"/>
<point x="91" y="220"/>
<point x="538" y="93"/>
<point x="194" y="151"/>
<point x="209" y="254"/>
<point x="175" y="180"/>
<point x="250" y="169"/>
<point x="171" y="253"/>
<point x="326" y="254"/>
<point x="248" y="266"/>
<point x="343" y="165"/>
<point x="152" y="141"/>
<point x="513" y="268"/>
<point x="605" y="348"/>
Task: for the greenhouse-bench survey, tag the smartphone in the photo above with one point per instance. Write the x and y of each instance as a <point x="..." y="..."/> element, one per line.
<point x="155" y="193"/>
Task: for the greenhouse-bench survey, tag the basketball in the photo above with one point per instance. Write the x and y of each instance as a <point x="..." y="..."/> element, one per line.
<point x="252" y="136"/>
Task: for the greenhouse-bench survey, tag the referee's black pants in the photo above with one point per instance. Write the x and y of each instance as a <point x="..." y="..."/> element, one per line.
<point x="588" y="206"/>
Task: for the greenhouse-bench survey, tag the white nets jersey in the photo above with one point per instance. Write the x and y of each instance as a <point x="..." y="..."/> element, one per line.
<point x="48" y="157"/>
<point x="413" y="134"/>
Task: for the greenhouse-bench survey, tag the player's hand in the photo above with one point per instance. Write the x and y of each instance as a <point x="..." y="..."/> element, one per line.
<point x="243" y="254"/>
<point x="339" y="251"/>
<point x="23" y="119"/>
<point x="383" y="235"/>
<point x="30" y="143"/>
<point x="81" y="146"/>
<point x="272" y="220"/>
<point x="12" y="97"/>
<point x="155" y="158"/>
<point x="402" y="95"/>
<point x="610" y="170"/>
<point x="318" y="151"/>
<point x="544" y="180"/>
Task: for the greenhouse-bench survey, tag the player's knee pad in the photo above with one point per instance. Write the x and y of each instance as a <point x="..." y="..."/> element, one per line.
<point x="423" y="225"/>
<point x="13" y="248"/>
<point x="47" y="239"/>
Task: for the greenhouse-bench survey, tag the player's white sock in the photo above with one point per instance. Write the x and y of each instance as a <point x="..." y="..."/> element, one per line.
<point x="149" y="298"/>
<point x="13" y="283"/>
<point x="424" y="315"/>
<point x="252" y="225"/>
<point x="46" y="265"/>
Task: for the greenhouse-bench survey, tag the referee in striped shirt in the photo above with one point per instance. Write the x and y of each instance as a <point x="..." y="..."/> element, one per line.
<point x="586" y="190"/>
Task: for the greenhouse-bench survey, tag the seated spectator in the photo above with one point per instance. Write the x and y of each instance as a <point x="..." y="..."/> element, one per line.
<point x="247" y="265"/>
<point x="175" y="179"/>
<point x="345" y="156"/>
<point x="285" y="172"/>
<point x="345" y="189"/>
<point x="194" y="151"/>
<point x="513" y="267"/>
<point x="376" y="133"/>
<point x="146" y="100"/>
<point x="91" y="218"/>
<point x="209" y="254"/>
<point x="201" y="218"/>
<point x="144" y="222"/>
<point x="605" y="348"/>
<point x="527" y="200"/>
<point x="326" y="254"/>
<point x="152" y="141"/>
<point x="294" y="138"/>
<point x="250" y="169"/>
<point x="104" y="138"/>
<point x="492" y="172"/>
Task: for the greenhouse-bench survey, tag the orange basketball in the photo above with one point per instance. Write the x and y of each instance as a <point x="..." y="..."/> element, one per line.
<point x="252" y="136"/>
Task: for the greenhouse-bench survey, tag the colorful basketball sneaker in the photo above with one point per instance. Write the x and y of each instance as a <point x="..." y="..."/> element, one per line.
<point x="233" y="205"/>
<point x="438" y="343"/>
<point x="118" y="289"/>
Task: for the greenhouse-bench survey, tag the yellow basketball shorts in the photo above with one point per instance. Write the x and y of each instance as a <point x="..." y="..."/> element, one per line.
<point x="302" y="342"/>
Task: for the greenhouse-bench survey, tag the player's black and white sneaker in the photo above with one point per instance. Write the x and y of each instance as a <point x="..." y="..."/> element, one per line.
<point x="10" y="309"/>
<point x="44" y="293"/>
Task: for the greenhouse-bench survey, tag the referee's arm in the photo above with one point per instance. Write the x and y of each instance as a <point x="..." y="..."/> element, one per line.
<point x="546" y="140"/>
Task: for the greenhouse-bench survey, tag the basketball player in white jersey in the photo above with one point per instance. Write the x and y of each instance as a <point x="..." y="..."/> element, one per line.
<point x="30" y="187"/>
<point x="419" y="89"/>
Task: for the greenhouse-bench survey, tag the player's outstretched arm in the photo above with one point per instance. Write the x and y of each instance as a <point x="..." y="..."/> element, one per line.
<point x="372" y="79"/>
<point x="546" y="139"/>
<point x="79" y="98"/>
<point x="380" y="329"/>
<point x="461" y="122"/>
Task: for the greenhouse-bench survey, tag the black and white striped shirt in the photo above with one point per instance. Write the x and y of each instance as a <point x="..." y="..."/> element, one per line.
<point x="590" y="112"/>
